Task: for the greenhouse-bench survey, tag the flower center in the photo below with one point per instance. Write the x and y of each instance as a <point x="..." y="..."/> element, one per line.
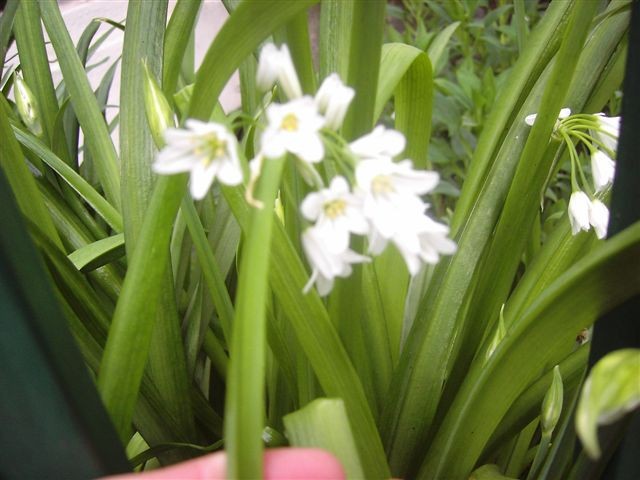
<point x="213" y="147"/>
<point x="289" y="123"/>
<point x="335" y="208"/>
<point x="382" y="184"/>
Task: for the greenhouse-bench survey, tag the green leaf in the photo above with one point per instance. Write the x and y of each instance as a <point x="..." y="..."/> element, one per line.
<point x="35" y="64"/>
<point x="84" y="102"/>
<point x="324" y="424"/>
<point x="564" y="308"/>
<point x="364" y="65"/>
<point x="98" y="253"/>
<point x="335" y="37"/>
<point x="75" y="181"/>
<point x="180" y="28"/>
<point x="244" y="418"/>
<point x="439" y="43"/>
<point x="133" y="321"/>
<point x="488" y="472"/>
<point x="20" y="178"/>
<point x="6" y="26"/>
<point x="611" y="390"/>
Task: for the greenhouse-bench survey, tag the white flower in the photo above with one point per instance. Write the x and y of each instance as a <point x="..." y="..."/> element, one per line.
<point x="610" y="131"/>
<point x="293" y="127"/>
<point x="421" y="241"/>
<point x="337" y="212"/>
<point x="207" y="150"/>
<point x="326" y="265"/>
<point x="333" y="99"/>
<point x="275" y="64"/>
<point x="602" y="170"/>
<point x="599" y="218"/>
<point x="381" y="142"/>
<point x="390" y="192"/>
<point x="531" y="119"/>
<point x="579" y="206"/>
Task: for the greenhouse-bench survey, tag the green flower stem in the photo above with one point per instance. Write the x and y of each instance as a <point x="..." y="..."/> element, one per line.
<point x="244" y="419"/>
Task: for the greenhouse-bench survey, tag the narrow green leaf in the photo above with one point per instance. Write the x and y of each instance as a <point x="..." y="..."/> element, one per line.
<point x="233" y="43"/>
<point x="75" y="181"/>
<point x="35" y="64"/>
<point x="324" y="424"/>
<point x="319" y="340"/>
<point x="6" y="26"/>
<point x="364" y="65"/>
<point x="440" y="42"/>
<point x="210" y="270"/>
<point x="84" y="102"/>
<point x="576" y="297"/>
<point x="20" y="178"/>
<point x="98" y="253"/>
<point x="244" y="419"/>
<point x="335" y="37"/>
<point x="295" y="34"/>
<point x="180" y="28"/>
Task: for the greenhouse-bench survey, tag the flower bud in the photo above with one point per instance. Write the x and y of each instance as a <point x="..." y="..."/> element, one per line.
<point x="579" y="205"/>
<point x="159" y="113"/>
<point x="552" y="404"/>
<point x="602" y="169"/>
<point x="27" y="105"/>
<point x="333" y="99"/>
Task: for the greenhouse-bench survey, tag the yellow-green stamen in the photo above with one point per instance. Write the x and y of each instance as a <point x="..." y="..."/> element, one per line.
<point x="382" y="184"/>
<point x="335" y="208"/>
<point x="289" y="123"/>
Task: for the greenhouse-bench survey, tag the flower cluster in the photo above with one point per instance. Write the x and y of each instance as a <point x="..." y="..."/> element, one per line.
<point x="383" y="204"/>
<point x="381" y="201"/>
<point x="599" y="134"/>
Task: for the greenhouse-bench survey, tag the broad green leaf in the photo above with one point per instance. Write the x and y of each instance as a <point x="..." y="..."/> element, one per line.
<point x="324" y="424"/>
<point x="576" y="297"/>
<point x="84" y="102"/>
<point x="98" y="253"/>
<point x="611" y="390"/>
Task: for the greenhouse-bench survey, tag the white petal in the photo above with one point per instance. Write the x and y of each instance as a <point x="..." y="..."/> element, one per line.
<point x="602" y="169"/>
<point x="273" y="145"/>
<point x="311" y="206"/>
<point x="579" y="206"/>
<point x="308" y="147"/>
<point x="564" y="113"/>
<point x="599" y="218"/>
<point x="530" y="119"/>
<point x="201" y="180"/>
<point x="176" y="165"/>
<point x="229" y="173"/>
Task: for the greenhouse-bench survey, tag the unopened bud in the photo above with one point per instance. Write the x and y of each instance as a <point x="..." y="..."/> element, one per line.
<point x="27" y="105"/>
<point x="552" y="404"/>
<point x="159" y="113"/>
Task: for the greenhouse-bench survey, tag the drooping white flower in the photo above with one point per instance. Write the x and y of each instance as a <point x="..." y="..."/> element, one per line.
<point x="275" y="65"/>
<point x="390" y="192"/>
<point x="424" y="241"/>
<point x="294" y="127"/>
<point x="326" y="264"/>
<point x="599" y="217"/>
<point x="531" y="119"/>
<point x="602" y="170"/>
<point x="579" y="206"/>
<point x="610" y="131"/>
<point x="337" y="212"/>
<point x="381" y="142"/>
<point x="207" y="150"/>
<point x="333" y="99"/>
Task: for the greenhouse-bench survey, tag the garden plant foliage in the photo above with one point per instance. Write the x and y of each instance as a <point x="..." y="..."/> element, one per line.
<point x="393" y="250"/>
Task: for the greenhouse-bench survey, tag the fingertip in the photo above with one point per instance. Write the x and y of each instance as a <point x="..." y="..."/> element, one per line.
<point x="301" y="463"/>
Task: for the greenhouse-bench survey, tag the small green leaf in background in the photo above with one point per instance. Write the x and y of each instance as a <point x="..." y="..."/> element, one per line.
<point x="488" y="472"/>
<point x="324" y="424"/>
<point x="611" y="391"/>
